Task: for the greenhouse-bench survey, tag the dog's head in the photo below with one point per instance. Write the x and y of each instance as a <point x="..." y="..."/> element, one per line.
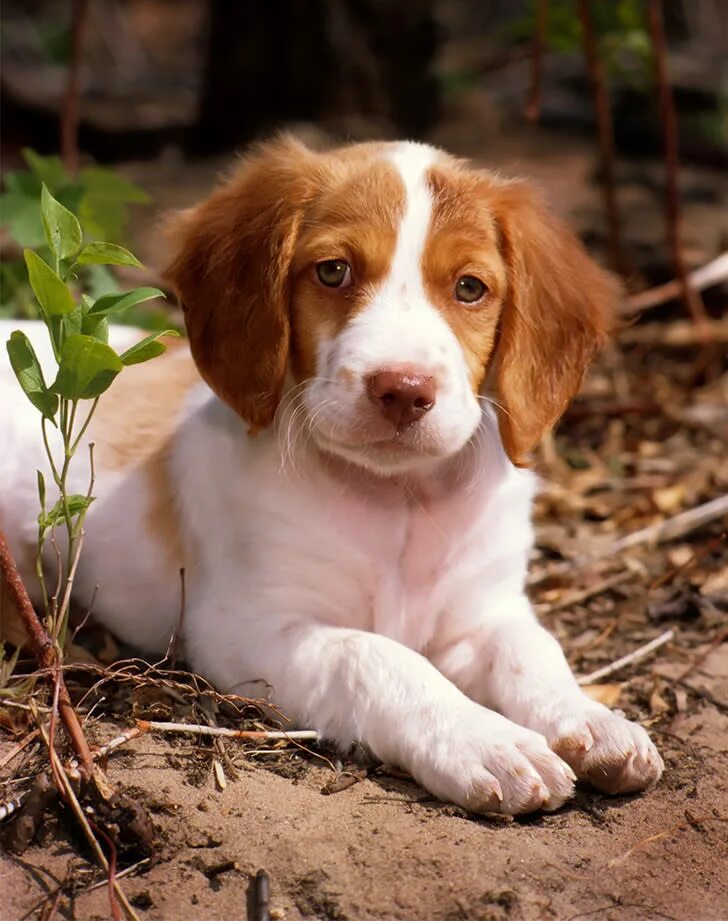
<point x="388" y="288"/>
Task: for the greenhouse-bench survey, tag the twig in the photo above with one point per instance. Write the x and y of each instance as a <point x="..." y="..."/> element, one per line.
<point x="11" y="806"/>
<point x="127" y="872"/>
<point x="712" y="273"/>
<point x="605" y="132"/>
<point x="104" y="750"/>
<point x="69" y="111"/>
<point x="45" y="653"/>
<point x="691" y="297"/>
<point x="677" y="335"/>
<point x="533" y="106"/>
<point x="677" y="526"/>
<point x="18" y="749"/>
<point x="197" y="729"/>
<point x="577" y="597"/>
<point x="635" y="656"/>
<point x="260" y="892"/>
<point x="171" y="653"/>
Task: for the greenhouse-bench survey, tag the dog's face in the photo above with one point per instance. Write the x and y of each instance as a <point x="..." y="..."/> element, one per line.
<point x="377" y="290"/>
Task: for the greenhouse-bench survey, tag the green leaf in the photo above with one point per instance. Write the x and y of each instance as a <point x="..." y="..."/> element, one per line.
<point x="49" y="170"/>
<point x="27" y="369"/>
<point x="53" y="296"/>
<point x="103" y="209"/>
<point x="106" y="254"/>
<point x="98" y="327"/>
<point x="19" y="210"/>
<point x="146" y="348"/>
<point x="76" y="504"/>
<point x="41" y="488"/>
<point x="62" y="230"/>
<point x="71" y="323"/>
<point x="113" y="303"/>
<point x="87" y="368"/>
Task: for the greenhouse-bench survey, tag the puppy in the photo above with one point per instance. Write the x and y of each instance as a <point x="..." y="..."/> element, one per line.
<point x="384" y="334"/>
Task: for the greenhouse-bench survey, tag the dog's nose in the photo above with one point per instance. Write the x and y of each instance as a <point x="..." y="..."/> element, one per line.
<point x="403" y="395"/>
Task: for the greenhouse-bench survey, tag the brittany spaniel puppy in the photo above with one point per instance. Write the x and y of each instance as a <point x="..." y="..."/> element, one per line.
<point x="384" y="334"/>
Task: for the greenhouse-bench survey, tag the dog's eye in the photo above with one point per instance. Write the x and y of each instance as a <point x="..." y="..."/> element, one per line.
<point x="469" y="289"/>
<point x="334" y="273"/>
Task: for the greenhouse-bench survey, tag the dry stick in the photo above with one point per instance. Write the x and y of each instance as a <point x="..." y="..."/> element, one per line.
<point x="691" y="297"/>
<point x="261" y="896"/>
<point x="45" y="653"/>
<point x="18" y="748"/>
<point x="69" y="111"/>
<point x="671" y="528"/>
<point x="605" y="132"/>
<point x="678" y="334"/>
<point x="712" y="273"/>
<point x="197" y="729"/>
<point x="674" y="527"/>
<point x="635" y="656"/>
<point x="533" y="106"/>
<point x="577" y="597"/>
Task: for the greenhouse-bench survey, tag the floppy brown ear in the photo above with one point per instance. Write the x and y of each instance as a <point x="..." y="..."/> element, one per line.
<point x="559" y="311"/>
<point x="231" y="271"/>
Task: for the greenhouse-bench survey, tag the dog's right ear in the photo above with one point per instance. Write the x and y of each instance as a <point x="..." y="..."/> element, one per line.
<point x="231" y="270"/>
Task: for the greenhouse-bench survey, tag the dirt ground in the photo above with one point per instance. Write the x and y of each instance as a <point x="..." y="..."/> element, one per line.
<point x="644" y="442"/>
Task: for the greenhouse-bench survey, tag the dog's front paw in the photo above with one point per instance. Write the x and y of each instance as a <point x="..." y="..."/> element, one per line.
<point x="605" y="749"/>
<point x="486" y="763"/>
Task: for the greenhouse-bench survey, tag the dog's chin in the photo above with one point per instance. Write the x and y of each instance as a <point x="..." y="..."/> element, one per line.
<point x="390" y="457"/>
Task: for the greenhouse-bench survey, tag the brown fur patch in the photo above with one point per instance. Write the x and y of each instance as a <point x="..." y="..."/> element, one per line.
<point x="133" y="427"/>
<point x="463" y="240"/>
<point x="235" y="253"/>
<point x="355" y="220"/>
<point x="549" y="305"/>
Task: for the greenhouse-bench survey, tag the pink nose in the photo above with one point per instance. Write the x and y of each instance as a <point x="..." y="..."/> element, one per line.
<point x="403" y="395"/>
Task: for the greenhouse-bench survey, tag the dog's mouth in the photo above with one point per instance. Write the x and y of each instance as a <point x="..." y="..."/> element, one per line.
<point x="398" y="452"/>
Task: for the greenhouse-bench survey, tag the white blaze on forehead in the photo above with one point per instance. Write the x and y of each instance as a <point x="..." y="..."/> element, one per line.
<point x="412" y="161"/>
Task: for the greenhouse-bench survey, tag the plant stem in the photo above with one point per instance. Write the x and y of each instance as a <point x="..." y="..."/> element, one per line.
<point x="46" y="653"/>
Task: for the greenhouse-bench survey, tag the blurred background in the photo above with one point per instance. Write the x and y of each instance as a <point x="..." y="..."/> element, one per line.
<point x="162" y="92"/>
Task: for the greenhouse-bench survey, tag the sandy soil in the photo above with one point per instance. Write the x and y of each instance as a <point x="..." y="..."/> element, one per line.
<point x="383" y="849"/>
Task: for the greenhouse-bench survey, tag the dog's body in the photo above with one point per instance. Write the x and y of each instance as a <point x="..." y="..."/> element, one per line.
<point x="363" y="559"/>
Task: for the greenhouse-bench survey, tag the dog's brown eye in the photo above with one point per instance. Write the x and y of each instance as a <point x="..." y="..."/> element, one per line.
<point x="469" y="289"/>
<point x="334" y="273"/>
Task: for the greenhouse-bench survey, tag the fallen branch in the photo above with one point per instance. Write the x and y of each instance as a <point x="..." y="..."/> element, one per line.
<point x="677" y="526"/>
<point x="198" y="729"/>
<point x="637" y="655"/>
<point x="577" y="597"/>
<point x="676" y="335"/>
<point x="706" y="276"/>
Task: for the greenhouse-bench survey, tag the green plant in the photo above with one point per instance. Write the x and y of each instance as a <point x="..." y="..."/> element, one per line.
<point x="100" y="198"/>
<point x="86" y="366"/>
<point x="621" y="26"/>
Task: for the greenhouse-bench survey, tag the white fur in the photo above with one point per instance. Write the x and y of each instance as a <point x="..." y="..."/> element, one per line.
<point x="377" y="601"/>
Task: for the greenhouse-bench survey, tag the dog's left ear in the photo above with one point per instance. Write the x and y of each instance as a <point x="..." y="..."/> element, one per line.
<point x="559" y="310"/>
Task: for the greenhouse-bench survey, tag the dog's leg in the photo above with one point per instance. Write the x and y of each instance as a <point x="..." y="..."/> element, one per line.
<point x="354" y="686"/>
<point x="512" y="664"/>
